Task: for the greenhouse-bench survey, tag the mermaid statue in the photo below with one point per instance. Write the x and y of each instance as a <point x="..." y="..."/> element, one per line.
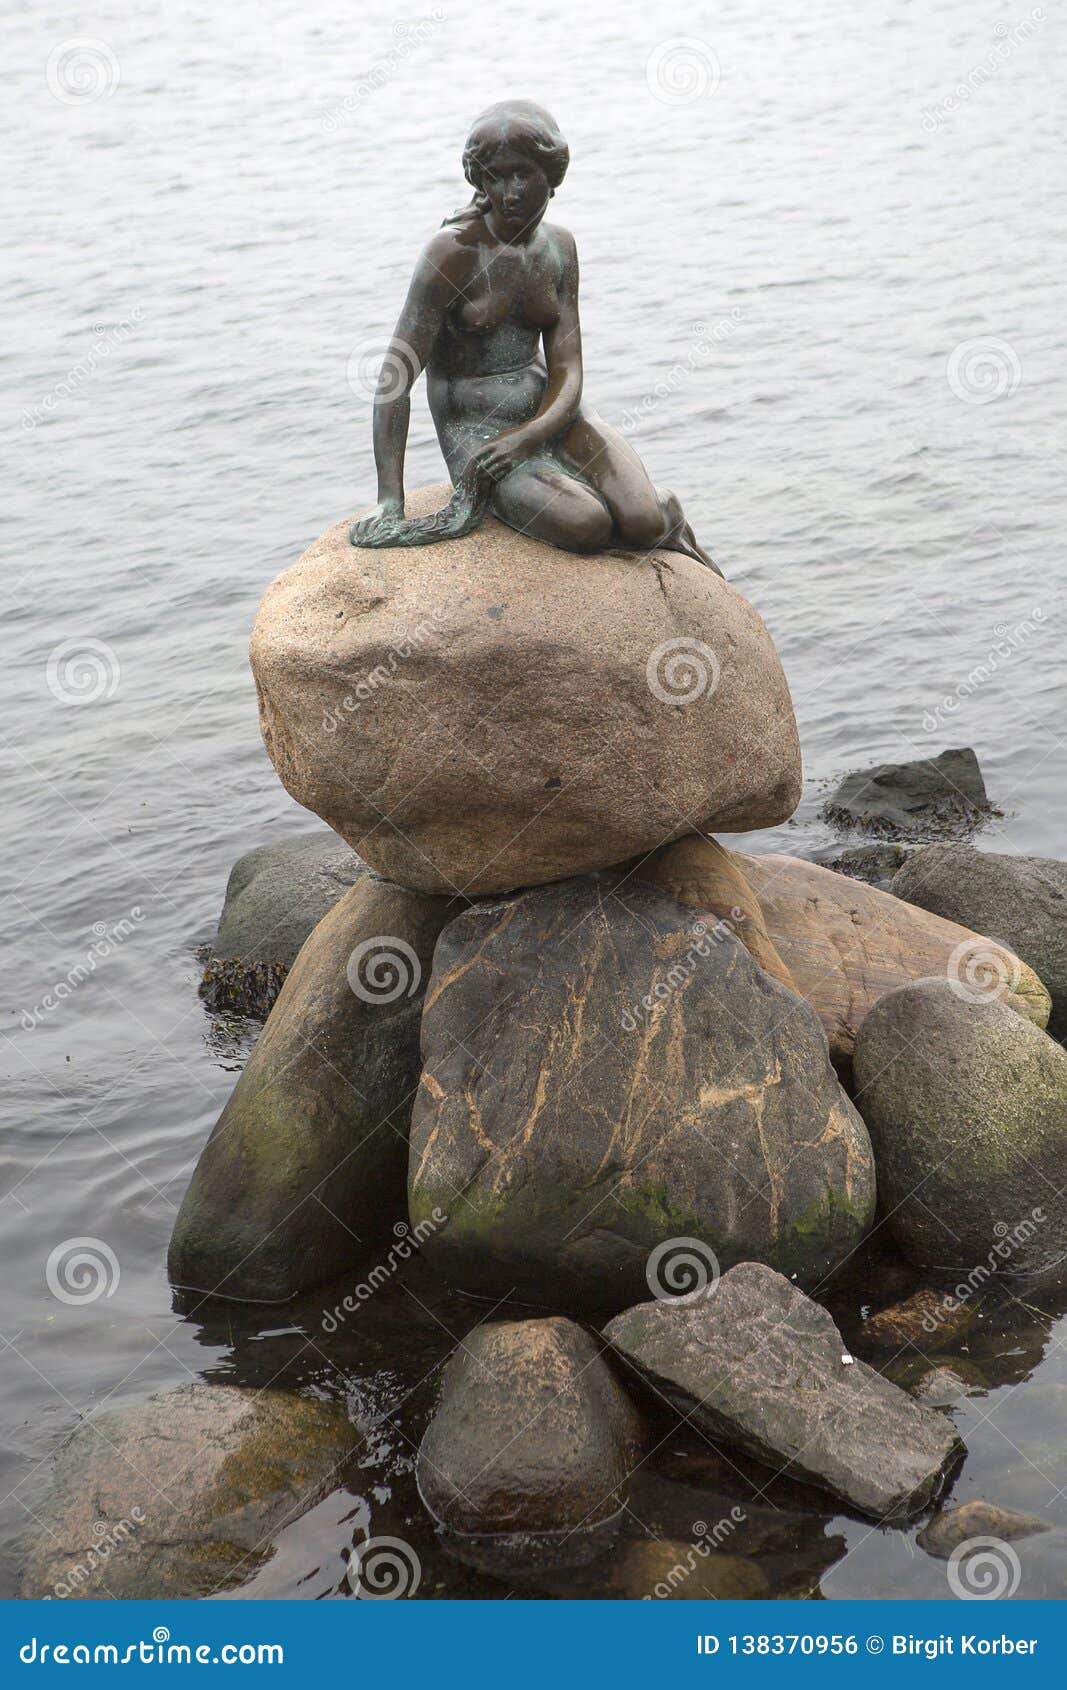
<point x="492" y="317"/>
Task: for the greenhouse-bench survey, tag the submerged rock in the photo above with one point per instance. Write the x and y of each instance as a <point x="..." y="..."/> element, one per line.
<point x="967" y="1106"/>
<point x="875" y="864"/>
<point x="947" y="1530"/>
<point x="927" y="1314"/>
<point x="912" y="800"/>
<point x="757" y="1363"/>
<point x="490" y="712"/>
<point x="606" y="1074"/>
<point x="183" y="1495"/>
<point x="1022" y="900"/>
<point x="304" y="1170"/>
<point x="533" y="1433"/>
<point x="948" y="1383"/>
<point x="846" y="945"/>
<point x="659" y="1570"/>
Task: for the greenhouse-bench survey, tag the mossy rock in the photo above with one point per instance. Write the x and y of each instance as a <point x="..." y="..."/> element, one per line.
<point x="966" y="1102"/>
<point x="183" y="1495"/>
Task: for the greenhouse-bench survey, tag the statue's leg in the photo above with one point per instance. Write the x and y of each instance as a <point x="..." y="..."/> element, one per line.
<point x="539" y="499"/>
<point x="645" y="520"/>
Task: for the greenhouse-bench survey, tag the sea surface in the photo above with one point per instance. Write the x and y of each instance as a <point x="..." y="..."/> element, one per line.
<point x="823" y="248"/>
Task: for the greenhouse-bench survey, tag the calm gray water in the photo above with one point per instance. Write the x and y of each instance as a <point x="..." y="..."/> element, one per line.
<point x="822" y="249"/>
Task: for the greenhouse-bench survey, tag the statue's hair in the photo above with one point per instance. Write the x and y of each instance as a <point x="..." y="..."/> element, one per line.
<point x="521" y="124"/>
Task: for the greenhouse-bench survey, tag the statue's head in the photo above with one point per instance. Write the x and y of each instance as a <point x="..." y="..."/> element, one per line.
<point x="515" y="159"/>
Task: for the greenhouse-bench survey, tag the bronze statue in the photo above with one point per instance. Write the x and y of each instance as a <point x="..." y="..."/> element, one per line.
<point x="494" y="285"/>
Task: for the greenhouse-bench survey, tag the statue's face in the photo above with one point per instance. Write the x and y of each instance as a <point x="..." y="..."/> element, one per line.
<point x="517" y="188"/>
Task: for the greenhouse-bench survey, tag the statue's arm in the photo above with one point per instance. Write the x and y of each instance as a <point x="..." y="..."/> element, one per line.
<point x="563" y="358"/>
<point x="432" y="289"/>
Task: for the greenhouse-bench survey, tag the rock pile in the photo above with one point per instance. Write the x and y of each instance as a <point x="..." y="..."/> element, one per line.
<point x="588" y="1055"/>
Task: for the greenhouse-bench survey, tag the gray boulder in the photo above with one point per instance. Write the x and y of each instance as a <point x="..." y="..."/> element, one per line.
<point x="967" y="1107"/>
<point x="275" y="896"/>
<point x="1020" y="901"/>
<point x="304" y="1170"/>
<point x="757" y="1363"/>
<point x="912" y="800"/>
<point x="183" y="1495"/>
<point x="606" y="1074"/>
<point x="533" y="1433"/>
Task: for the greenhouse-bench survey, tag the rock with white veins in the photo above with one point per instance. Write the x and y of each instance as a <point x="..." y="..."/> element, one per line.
<point x="757" y="1363"/>
<point x="607" y="1073"/>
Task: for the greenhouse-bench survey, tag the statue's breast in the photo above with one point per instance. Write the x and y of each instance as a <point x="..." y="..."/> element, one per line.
<point x="501" y="294"/>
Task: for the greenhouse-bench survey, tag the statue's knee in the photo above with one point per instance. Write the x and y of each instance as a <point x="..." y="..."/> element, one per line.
<point x="592" y="528"/>
<point x="643" y="529"/>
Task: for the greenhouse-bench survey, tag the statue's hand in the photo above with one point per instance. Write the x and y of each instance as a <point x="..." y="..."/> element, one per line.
<point x="503" y="455"/>
<point x="377" y="527"/>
